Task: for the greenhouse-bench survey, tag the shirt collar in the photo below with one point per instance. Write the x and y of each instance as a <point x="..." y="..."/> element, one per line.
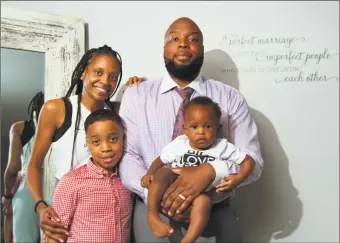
<point x="100" y="171"/>
<point x="168" y="83"/>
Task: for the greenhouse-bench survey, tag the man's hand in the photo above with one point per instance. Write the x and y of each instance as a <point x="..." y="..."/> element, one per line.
<point x="51" y="226"/>
<point x="146" y="180"/>
<point x="191" y="182"/>
<point x="230" y="183"/>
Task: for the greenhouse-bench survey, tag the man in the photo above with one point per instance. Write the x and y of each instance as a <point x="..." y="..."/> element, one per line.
<point x="152" y="115"/>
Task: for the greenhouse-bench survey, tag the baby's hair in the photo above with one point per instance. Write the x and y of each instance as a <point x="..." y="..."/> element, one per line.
<point x="35" y="105"/>
<point x="103" y="115"/>
<point x="78" y="83"/>
<point x="203" y="100"/>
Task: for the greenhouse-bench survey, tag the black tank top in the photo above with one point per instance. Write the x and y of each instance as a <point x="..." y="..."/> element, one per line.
<point x="27" y="133"/>
<point x="68" y="119"/>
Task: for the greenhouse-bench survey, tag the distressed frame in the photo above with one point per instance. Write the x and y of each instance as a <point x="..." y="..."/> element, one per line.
<point x="61" y="38"/>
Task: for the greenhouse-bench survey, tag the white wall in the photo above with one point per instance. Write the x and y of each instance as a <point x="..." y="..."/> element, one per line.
<point x="297" y="198"/>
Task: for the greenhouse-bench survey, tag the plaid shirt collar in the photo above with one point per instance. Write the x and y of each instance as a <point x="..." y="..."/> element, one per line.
<point x="100" y="171"/>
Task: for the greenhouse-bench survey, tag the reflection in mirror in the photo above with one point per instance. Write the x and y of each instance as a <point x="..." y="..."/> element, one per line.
<point x="22" y="76"/>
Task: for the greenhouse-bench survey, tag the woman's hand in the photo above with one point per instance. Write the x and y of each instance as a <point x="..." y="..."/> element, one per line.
<point x="7" y="206"/>
<point x="134" y="80"/>
<point x="51" y="226"/>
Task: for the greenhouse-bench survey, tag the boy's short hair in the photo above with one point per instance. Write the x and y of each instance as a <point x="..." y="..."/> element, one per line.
<point x="103" y="115"/>
<point x="203" y="100"/>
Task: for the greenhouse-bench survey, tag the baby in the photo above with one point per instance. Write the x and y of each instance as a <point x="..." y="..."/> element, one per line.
<point x="199" y="145"/>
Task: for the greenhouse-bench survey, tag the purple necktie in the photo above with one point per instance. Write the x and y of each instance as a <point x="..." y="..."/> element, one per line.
<point x="178" y="127"/>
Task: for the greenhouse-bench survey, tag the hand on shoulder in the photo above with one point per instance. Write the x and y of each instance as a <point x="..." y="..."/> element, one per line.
<point x="135" y="80"/>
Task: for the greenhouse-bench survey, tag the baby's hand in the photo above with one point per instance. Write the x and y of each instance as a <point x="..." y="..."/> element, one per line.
<point x="146" y="180"/>
<point x="230" y="183"/>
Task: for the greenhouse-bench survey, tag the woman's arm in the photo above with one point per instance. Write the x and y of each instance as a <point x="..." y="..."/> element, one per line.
<point x="51" y="117"/>
<point x="14" y="162"/>
<point x="10" y="176"/>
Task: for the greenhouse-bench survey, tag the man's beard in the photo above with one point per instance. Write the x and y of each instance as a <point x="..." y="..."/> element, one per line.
<point x="187" y="72"/>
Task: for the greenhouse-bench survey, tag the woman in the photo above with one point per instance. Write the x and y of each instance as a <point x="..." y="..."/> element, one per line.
<point x="17" y="200"/>
<point x="61" y="126"/>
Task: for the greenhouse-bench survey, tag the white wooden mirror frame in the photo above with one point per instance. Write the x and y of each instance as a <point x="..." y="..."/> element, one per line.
<point x="61" y="38"/>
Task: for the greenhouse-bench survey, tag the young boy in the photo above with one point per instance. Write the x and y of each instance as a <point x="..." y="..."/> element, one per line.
<point x="199" y="145"/>
<point x="91" y="199"/>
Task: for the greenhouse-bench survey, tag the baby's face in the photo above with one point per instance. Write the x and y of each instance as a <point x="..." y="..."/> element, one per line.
<point x="105" y="140"/>
<point x="201" y="126"/>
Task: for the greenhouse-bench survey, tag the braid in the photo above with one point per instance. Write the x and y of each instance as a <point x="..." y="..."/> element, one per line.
<point x="35" y="106"/>
<point x="78" y="83"/>
<point x="109" y="104"/>
<point x="76" y="127"/>
<point x="78" y="71"/>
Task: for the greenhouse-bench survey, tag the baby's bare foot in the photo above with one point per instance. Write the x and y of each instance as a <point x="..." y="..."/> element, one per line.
<point x="158" y="227"/>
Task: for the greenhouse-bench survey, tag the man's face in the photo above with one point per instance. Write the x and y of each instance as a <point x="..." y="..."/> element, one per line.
<point x="183" y="49"/>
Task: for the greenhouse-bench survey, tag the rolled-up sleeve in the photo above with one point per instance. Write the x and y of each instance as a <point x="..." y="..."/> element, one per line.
<point x="131" y="168"/>
<point x="243" y="133"/>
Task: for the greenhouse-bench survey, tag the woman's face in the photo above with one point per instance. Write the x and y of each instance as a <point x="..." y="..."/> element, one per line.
<point x="100" y="76"/>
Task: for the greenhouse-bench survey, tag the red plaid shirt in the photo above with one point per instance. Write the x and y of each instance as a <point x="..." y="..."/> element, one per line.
<point x="95" y="204"/>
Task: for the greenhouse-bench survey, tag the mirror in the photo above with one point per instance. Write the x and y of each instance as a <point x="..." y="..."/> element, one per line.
<point x="22" y="76"/>
<point x="60" y="42"/>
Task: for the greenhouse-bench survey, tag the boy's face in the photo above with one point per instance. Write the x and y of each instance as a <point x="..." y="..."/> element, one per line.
<point x="105" y="140"/>
<point x="200" y="125"/>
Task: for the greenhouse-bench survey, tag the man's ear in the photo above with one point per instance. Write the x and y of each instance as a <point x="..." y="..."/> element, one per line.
<point x="219" y="127"/>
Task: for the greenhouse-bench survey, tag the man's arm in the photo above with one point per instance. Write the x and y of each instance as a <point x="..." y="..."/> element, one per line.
<point x="131" y="167"/>
<point x="243" y="133"/>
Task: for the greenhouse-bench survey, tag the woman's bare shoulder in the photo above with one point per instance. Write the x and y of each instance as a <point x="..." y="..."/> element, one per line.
<point x="17" y="127"/>
<point x="53" y="112"/>
<point x="54" y="106"/>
